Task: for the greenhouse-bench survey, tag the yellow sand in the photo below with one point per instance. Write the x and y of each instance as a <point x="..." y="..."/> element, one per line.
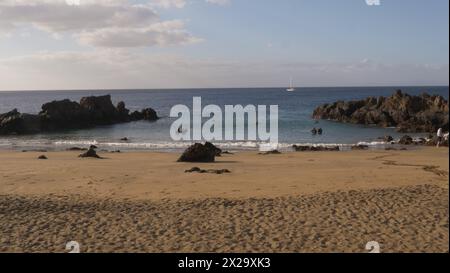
<point x="293" y="202"/>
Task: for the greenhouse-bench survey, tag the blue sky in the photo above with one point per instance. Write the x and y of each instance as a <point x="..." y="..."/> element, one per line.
<point x="234" y="43"/>
<point x="323" y="30"/>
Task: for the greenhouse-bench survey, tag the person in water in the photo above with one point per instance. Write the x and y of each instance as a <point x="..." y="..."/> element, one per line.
<point x="320" y="131"/>
<point x="314" y="131"/>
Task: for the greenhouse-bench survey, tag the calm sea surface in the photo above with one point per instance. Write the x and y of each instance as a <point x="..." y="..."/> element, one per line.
<point x="295" y="121"/>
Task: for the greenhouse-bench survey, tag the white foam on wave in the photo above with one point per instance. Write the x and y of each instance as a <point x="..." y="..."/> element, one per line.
<point x="76" y="142"/>
<point x="169" y="145"/>
<point x="372" y="143"/>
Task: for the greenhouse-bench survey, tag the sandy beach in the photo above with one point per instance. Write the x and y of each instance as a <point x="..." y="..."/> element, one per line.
<point x="292" y="202"/>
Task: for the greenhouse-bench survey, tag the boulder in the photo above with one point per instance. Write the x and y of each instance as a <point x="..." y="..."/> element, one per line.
<point x="198" y="153"/>
<point x="395" y="149"/>
<point x="360" y="147"/>
<point x="213" y="148"/>
<point x="406" y="140"/>
<point x="76" y="149"/>
<point x="315" y="148"/>
<point x="273" y="152"/>
<point x="90" y="153"/>
<point x="388" y="139"/>
<point x="423" y="113"/>
<point x="198" y="170"/>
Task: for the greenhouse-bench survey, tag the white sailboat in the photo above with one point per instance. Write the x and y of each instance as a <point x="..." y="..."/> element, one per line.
<point x="291" y="87"/>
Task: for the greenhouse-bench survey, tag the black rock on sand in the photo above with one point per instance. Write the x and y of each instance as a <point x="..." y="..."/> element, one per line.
<point x="90" y="153"/>
<point x="360" y="147"/>
<point x="406" y="140"/>
<point x="273" y="152"/>
<point x="212" y="147"/>
<point x="200" y="153"/>
<point x="301" y="148"/>
<point x="198" y="170"/>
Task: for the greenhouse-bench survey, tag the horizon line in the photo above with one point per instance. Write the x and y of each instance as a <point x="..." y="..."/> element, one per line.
<point x="215" y="88"/>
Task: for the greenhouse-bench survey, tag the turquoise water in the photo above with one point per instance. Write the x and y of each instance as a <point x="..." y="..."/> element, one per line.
<point x="295" y="122"/>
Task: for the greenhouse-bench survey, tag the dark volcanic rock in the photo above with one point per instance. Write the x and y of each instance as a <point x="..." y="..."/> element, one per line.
<point x="146" y="114"/>
<point x="273" y="152"/>
<point x="15" y="123"/>
<point x="100" y="109"/>
<point x="406" y="140"/>
<point x="63" y="114"/>
<point x="35" y="150"/>
<point x="193" y="169"/>
<point x="424" y="113"/>
<point x="149" y="114"/>
<point x="42" y="157"/>
<point x="387" y="138"/>
<point x="136" y="115"/>
<point x="213" y="148"/>
<point x="198" y="153"/>
<point x="395" y="149"/>
<point x="76" y="149"/>
<point x="314" y="148"/>
<point x="90" y="153"/>
<point x="360" y="147"/>
<point x="66" y="114"/>
<point x="198" y="170"/>
<point x="122" y="111"/>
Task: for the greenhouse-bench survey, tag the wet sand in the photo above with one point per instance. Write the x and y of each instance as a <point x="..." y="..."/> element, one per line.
<point x="293" y="202"/>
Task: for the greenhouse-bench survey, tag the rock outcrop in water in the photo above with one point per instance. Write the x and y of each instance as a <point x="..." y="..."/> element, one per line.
<point x="66" y="114"/>
<point x="424" y="113"/>
<point x="14" y="122"/>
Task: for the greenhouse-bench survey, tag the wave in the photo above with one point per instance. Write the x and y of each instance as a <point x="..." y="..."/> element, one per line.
<point x="169" y="145"/>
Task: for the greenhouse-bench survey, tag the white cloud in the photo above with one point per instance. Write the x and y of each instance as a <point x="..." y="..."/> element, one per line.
<point x="104" y="23"/>
<point x="58" y="17"/>
<point x="162" y="34"/>
<point x="169" y="3"/>
<point x="219" y="2"/>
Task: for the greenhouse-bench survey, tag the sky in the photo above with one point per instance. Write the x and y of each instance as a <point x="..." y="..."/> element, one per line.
<point x="153" y="44"/>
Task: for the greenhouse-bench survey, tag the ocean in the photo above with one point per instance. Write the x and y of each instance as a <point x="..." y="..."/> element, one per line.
<point x="295" y="122"/>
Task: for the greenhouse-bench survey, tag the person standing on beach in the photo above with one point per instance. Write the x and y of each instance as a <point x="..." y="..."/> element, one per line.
<point x="439" y="137"/>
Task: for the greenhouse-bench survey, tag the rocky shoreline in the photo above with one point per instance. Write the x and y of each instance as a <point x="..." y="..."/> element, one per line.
<point x="65" y="114"/>
<point x="409" y="114"/>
